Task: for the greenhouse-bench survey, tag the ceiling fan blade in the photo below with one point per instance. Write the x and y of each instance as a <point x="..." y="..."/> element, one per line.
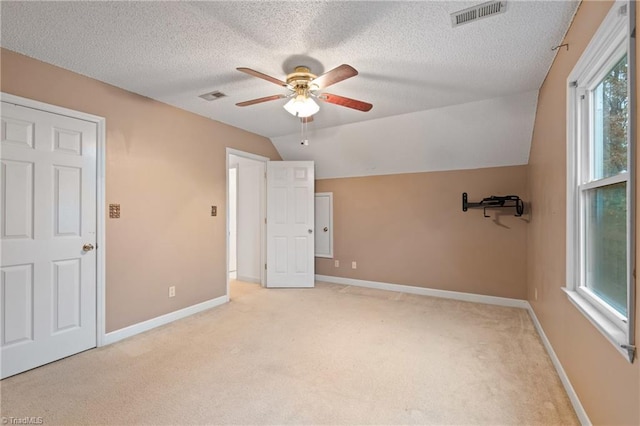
<point x="334" y="76"/>
<point x="260" y="100"/>
<point x="346" y="102"/>
<point x="262" y="76"/>
<point x="307" y="119"/>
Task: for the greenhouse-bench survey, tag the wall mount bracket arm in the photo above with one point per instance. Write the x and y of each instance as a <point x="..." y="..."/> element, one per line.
<point x="494" y="202"/>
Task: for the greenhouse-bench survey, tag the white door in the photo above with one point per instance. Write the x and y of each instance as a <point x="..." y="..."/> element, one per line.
<point x="290" y="221"/>
<point x="324" y="224"/>
<point x="48" y="213"/>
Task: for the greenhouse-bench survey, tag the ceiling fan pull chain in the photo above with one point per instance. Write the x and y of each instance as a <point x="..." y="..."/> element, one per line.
<point x="303" y="131"/>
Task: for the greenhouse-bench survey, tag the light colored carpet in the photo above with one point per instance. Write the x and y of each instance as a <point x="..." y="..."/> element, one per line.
<point x="330" y="355"/>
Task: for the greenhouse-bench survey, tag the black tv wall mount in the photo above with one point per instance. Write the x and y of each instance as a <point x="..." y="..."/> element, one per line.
<point x="494" y="202"/>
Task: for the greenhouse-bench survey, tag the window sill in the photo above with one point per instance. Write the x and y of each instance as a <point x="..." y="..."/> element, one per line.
<point x="608" y="328"/>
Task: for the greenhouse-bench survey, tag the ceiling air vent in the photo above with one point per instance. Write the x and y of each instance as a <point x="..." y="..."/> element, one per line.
<point x="212" y="96"/>
<point x="474" y="13"/>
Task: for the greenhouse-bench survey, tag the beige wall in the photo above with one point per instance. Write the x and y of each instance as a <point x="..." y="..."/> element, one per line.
<point x="410" y="229"/>
<point x="166" y="167"/>
<point x="607" y="385"/>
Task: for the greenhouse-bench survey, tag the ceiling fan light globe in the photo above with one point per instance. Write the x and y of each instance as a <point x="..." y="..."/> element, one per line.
<point x="301" y="106"/>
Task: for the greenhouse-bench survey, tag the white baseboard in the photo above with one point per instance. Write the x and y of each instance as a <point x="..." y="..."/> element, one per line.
<point x="141" y="327"/>
<point x="248" y="279"/>
<point x="445" y="294"/>
<point x="573" y="396"/>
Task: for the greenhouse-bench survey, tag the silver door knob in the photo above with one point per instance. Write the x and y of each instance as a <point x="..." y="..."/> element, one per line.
<point x="87" y="247"/>
<point x="310" y="231"/>
<point x="325" y="229"/>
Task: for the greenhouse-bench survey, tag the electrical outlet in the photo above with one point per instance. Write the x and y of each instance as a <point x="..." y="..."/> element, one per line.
<point x="336" y="263"/>
<point x="535" y="294"/>
<point x="172" y="291"/>
<point x="354" y="265"/>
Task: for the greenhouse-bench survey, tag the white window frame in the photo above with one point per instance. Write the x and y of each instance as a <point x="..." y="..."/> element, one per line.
<point x="609" y="44"/>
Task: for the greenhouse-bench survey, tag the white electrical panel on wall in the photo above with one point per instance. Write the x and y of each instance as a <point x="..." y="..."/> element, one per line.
<point x="324" y="224"/>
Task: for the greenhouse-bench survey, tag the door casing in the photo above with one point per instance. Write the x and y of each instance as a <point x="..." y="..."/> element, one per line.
<point x="263" y="229"/>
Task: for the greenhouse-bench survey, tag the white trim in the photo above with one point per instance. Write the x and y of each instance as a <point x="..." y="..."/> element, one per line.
<point x="101" y="234"/>
<point x="602" y="322"/>
<point x="237" y="169"/>
<point x="573" y="396"/>
<point x="423" y="291"/>
<point x="31" y="103"/>
<point x="232" y="151"/>
<point x="611" y="180"/>
<point x="603" y="44"/>
<point x="633" y="132"/>
<point x="100" y="197"/>
<point x="330" y="195"/>
<point x="263" y="228"/>
<point x="611" y="41"/>
<point x="141" y="327"/>
<point x="599" y="304"/>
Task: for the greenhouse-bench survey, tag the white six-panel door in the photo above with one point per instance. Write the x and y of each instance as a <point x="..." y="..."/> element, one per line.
<point x="48" y="214"/>
<point x="290" y="223"/>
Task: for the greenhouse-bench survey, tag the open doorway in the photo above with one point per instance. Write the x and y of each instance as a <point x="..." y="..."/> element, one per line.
<point x="245" y="217"/>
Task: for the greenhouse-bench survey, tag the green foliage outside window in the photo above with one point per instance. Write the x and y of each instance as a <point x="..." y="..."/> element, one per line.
<point x="607" y="206"/>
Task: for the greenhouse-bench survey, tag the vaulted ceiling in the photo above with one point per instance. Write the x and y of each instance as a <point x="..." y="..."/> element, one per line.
<point x="444" y="97"/>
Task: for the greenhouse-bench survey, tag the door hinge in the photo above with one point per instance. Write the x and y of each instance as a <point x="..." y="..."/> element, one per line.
<point x="265" y="266"/>
<point x="265" y="220"/>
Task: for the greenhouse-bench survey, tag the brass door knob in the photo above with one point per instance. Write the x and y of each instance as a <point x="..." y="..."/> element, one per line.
<point x="87" y="247"/>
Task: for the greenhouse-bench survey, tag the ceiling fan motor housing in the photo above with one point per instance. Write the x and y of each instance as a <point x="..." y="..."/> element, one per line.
<point x="300" y="80"/>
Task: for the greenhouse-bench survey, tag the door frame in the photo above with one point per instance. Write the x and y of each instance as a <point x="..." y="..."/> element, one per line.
<point x="100" y="196"/>
<point x="237" y="169"/>
<point x="263" y="204"/>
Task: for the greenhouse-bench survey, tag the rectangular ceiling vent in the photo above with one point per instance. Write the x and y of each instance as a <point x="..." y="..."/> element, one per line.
<point x="474" y="13"/>
<point x="212" y="96"/>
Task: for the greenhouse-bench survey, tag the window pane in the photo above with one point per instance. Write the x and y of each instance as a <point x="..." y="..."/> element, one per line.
<point x="610" y="121"/>
<point x="606" y="245"/>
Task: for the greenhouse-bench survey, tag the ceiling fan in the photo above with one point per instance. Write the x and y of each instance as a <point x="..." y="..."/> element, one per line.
<point x="304" y="86"/>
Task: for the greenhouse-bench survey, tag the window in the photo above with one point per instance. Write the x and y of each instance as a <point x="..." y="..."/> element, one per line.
<point x="600" y="245"/>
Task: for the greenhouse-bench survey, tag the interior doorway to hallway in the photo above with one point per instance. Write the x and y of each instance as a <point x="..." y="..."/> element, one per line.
<point x="246" y="213"/>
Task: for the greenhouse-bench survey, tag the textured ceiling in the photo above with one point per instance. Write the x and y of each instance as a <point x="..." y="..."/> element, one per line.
<point x="409" y="57"/>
